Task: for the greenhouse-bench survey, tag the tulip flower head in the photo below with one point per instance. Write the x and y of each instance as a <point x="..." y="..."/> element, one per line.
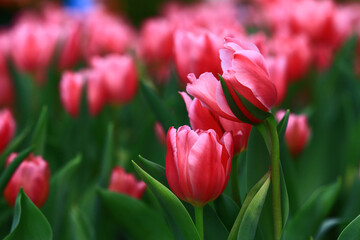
<point x="33" y="176"/>
<point x="7" y="128"/>
<point x="247" y="80"/>
<point x="297" y="133"/>
<point x="126" y="183"/>
<point x="119" y="76"/>
<point x="198" y="164"/>
<point x="71" y="89"/>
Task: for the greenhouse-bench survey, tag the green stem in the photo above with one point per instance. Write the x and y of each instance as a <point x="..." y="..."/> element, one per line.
<point x="235" y="182"/>
<point x="274" y="148"/>
<point x="199" y="220"/>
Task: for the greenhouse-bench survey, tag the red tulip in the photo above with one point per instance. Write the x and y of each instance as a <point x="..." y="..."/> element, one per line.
<point x="33" y="45"/>
<point x="277" y="72"/>
<point x="71" y="45"/>
<point x="7" y="128"/>
<point x="196" y="52"/>
<point x="297" y="51"/>
<point x="156" y="47"/>
<point x="245" y="72"/>
<point x="33" y="176"/>
<point x="6" y="89"/>
<point x="71" y="87"/>
<point x="106" y="34"/>
<point x="125" y="183"/>
<point x="160" y="133"/>
<point x="70" y="92"/>
<point x="203" y="119"/>
<point x="297" y="133"/>
<point x="198" y="164"/>
<point x="119" y="75"/>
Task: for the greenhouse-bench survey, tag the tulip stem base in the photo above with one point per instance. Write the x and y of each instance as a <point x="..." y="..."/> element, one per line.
<point x="270" y="135"/>
<point x="199" y="220"/>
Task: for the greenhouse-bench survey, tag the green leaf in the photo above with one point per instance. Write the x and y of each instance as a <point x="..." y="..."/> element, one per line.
<point x="39" y="134"/>
<point x="214" y="229"/>
<point x="161" y="111"/>
<point x="154" y="169"/>
<point x="177" y="216"/>
<point x="326" y="226"/>
<point x="57" y="204"/>
<point x="80" y="227"/>
<point x="107" y="157"/>
<point x="247" y="229"/>
<point x="281" y="127"/>
<point x="230" y="101"/>
<point x="12" y="146"/>
<point x="132" y="215"/>
<point x="351" y="231"/>
<point x="29" y="223"/>
<point x="227" y="210"/>
<point x="6" y="175"/>
<point x="302" y="226"/>
<point x="249" y="197"/>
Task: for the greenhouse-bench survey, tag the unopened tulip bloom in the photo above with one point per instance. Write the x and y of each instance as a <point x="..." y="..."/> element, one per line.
<point x="277" y="72"/>
<point x="196" y="52"/>
<point x="297" y="51"/>
<point x="6" y="89"/>
<point x="33" y="176"/>
<point x="160" y="133"/>
<point x="7" y="128"/>
<point x="71" y="84"/>
<point x="119" y="75"/>
<point x="106" y="34"/>
<point x="71" y="89"/>
<point x="297" y="133"/>
<point x="244" y="72"/>
<point x="126" y="183"/>
<point x="156" y="47"/>
<point x="198" y="164"/>
<point x="33" y="44"/>
<point x="204" y="119"/>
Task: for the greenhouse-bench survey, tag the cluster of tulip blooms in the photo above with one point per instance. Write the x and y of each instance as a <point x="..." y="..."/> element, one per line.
<point x="87" y="68"/>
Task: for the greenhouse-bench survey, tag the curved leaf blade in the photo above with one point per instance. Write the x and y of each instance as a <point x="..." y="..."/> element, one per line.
<point x="29" y="222"/>
<point x="351" y="231"/>
<point x="177" y="215"/>
<point x="133" y="215"/>
<point x="317" y="206"/>
<point x="249" y="197"/>
<point x="252" y="213"/>
<point x="39" y="134"/>
<point x="5" y="177"/>
<point x="154" y="169"/>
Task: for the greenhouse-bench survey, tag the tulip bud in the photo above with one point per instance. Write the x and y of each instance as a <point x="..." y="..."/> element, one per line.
<point x="297" y="133"/>
<point x="33" y="45"/>
<point x="160" y="133"/>
<point x="6" y="89"/>
<point x="156" y="47"/>
<point x="70" y="92"/>
<point x="123" y="182"/>
<point x="119" y="75"/>
<point x="71" y="87"/>
<point x="7" y="128"/>
<point x="33" y="176"/>
<point x="196" y="52"/>
<point x="198" y="164"/>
